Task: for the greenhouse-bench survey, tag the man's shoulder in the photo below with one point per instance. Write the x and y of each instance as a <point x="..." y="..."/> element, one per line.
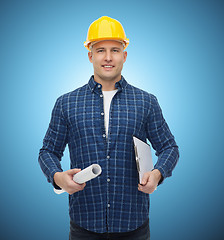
<point x="73" y="94"/>
<point x="140" y="92"/>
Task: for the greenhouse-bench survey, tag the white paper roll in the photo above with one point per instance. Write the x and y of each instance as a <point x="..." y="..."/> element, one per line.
<point x="85" y="175"/>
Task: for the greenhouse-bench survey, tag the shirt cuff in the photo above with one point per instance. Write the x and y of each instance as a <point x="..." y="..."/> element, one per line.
<point x="52" y="178"/>
<point x="162" y="174"/>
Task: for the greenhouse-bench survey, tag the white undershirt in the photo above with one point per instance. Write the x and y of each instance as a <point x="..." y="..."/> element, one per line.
<point x="107" y="97"/>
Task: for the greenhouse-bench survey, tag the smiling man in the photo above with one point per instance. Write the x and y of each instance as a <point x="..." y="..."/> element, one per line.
<point x="107" y="58"/>
<point x="98" y="121"/>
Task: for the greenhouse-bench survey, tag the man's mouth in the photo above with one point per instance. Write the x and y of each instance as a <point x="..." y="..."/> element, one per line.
<point x="108" y="66"/>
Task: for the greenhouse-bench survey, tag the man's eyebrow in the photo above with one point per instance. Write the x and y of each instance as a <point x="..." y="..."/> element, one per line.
<point x="100" y="48"/>
<point x="116" y="48"/>
<point x="111" y="48"/>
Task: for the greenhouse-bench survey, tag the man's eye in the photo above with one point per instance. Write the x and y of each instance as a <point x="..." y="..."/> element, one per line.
<point x="99" y="51"/>
<point x="115" y="50"/>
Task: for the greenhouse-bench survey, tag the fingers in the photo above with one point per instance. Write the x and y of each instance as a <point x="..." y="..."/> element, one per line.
<point x="145" y="178"/>
<point x="148" y="188"/>
<point x="150" y="181"/>
<point x="73" y="171"/>
<point x="74" y="187"/>
<point x="148" y="184"/>
<point x="65" y="181"/>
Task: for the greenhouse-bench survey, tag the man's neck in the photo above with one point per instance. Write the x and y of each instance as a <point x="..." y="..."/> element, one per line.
<point x="107" y="85"/>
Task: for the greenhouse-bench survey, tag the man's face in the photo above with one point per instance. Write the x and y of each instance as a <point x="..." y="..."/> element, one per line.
<point x="107" y="58"/>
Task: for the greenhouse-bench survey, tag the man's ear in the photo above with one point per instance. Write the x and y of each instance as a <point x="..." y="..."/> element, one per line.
<point x="125" y="56"/>
<point x="90" y="55"/>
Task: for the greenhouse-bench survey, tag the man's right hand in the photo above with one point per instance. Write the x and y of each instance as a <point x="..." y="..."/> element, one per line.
<point x="65" y="181"/>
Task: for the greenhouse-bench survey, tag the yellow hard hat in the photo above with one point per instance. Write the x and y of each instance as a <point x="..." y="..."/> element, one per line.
<point x="105" y="28"/>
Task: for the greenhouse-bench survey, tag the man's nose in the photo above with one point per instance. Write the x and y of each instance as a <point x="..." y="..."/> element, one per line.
<point x="108" y="56"/>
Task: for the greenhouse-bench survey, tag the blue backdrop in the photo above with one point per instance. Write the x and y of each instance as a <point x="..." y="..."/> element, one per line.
<point x="176" y="52"/>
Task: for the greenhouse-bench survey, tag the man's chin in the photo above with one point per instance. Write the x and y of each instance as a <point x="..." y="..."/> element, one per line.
<point x="108" y="77"/>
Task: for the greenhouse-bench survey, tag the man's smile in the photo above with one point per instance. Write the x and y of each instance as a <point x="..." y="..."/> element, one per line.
<point x="107" y="66"/>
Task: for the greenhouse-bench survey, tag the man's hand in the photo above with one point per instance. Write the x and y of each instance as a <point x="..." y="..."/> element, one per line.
<point x="65" y="181"/>
<point x="150" y="181"/>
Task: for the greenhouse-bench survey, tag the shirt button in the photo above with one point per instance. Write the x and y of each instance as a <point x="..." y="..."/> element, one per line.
<point x="98" y="86"/>
<point x="108" y="180"/>
<point x="108" y="205"/>
<point x="102" y="113"/>
<point x="101" y="95"/>
<point x="108" y="157"/>
<point x="104" y="135"/>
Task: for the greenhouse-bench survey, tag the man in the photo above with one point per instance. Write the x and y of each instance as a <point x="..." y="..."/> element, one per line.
<point x="98" y="121"/>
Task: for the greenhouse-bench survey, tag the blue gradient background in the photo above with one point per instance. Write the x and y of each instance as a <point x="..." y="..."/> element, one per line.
<point x="176" y="52"/>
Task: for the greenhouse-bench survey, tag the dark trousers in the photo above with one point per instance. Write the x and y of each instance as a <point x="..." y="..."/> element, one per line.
<point x="78" y="233"/>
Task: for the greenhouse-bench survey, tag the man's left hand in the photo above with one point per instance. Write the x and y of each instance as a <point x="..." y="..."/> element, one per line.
<point x="150" y="181"/>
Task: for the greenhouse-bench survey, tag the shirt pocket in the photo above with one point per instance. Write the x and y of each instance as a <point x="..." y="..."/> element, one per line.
<point x="130" y="119"/>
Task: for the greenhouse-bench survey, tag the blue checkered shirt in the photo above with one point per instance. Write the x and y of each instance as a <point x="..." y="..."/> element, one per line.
<point x="110" y="202"/>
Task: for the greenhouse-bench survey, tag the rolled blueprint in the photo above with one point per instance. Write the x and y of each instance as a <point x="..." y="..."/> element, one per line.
<point x="83" y="176"/>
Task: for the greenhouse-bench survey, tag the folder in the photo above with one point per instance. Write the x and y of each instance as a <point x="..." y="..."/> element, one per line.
<point x="143" y="157"/>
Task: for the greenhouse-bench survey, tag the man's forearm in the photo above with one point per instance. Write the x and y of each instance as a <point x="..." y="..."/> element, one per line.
<point x="50" y="164"/>
<point x="167" y="161"/>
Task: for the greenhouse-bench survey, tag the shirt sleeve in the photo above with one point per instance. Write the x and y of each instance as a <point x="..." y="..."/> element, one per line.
<point x="54" y="144"/>
<point x="162" y="140"/>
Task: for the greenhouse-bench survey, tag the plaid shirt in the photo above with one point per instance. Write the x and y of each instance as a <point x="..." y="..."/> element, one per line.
<point x="110" y="202"/>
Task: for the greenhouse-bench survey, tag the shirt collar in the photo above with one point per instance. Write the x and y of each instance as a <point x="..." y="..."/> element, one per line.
<point x="120" y="85"/>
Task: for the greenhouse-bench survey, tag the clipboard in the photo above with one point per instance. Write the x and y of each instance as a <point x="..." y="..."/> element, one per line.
<point x="143" y="157"/>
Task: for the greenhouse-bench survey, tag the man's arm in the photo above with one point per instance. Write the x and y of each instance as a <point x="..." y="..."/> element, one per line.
<point x="54" y="144"/>
<point x="163" y="142"/>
